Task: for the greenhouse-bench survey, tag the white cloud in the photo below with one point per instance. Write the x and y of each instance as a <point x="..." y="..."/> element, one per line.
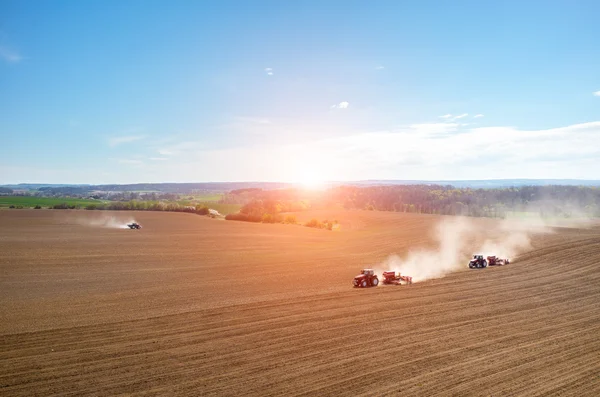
<point x="158" y="158"/>
<point x="269" y="71"/>
<point x="478" y="116"/>
<point x="165" y="152"/>
<point x="118" y="140"/>
<point x="419" y="151"/>
<point x="341" y="105"/>
<point x="597" y="93"/>
<point x="380" y="68"/>
<point x="434" y="128"/>
<point x="457" y="117"/>
<point x="9" y="55"/>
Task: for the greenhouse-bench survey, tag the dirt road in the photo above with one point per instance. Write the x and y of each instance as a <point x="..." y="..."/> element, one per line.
<point x="194" y="306"/>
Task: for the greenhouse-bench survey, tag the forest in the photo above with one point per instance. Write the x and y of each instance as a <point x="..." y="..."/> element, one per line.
<point x="548" y="201"/>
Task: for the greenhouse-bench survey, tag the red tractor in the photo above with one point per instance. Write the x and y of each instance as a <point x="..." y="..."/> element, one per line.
<point x="395" y="279"/>
<point x="495" y="261"/>
<point x="478" y="261"/>
<point x="366" y="278"/>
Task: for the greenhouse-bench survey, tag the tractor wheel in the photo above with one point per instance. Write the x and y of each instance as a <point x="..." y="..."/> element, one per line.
<point x="363" y="284"/>
<point x="375" y="282"/>
<point x="484" y="264"/>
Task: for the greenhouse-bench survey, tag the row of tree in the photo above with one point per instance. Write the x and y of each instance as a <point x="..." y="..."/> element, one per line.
<point x="447" y="200"/>
<point x="138" y="206"/>
<point x="553" y="201"/>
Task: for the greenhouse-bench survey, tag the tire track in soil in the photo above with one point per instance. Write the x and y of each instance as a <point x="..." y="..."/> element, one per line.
<point x="527" y="328"/>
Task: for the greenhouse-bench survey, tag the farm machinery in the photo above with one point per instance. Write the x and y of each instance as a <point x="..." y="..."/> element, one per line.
<point x="495" y="261"/>
<point x="366" y="278"/>
<point x="134" y="225"/>
<point x="391" y="278"/>
<point x="479" y="261"/>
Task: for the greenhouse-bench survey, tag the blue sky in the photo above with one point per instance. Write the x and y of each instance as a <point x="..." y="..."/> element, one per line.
<point x="157" y="91"/>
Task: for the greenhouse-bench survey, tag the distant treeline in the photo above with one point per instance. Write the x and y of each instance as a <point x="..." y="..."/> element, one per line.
<point x="178" y="188"/>
<point x="562" y="201"/>
<point x="270" y="206"/>
<point x="446" y="200"/>
<point x="270" y="211"/>
<point x="138" y="206"/>
<point x="85" y="192"/>
<point x="5" y="190"/>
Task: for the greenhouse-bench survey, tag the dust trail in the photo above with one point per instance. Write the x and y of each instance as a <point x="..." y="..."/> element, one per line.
<point x="458" y="238"/>
<point x="105" y="220"/>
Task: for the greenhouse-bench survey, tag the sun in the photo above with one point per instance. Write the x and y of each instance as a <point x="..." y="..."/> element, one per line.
<point x="311" y="180"/>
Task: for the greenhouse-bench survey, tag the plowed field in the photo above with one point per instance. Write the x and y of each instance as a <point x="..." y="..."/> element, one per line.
<point x="195" y="306"/>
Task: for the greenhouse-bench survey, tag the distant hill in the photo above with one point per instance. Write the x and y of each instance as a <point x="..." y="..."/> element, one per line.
<point x="35" y="186"/>
<point x="228" y="186"/>
<point x="483" y="184"/>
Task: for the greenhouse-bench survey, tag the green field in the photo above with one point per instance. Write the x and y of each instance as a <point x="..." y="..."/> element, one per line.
<point x="45" y="202"/>
<point x="224" y="209"/>
<point x="211" y="200"/>
<point x="31" y="201"/>
<point x="190" y="199"/>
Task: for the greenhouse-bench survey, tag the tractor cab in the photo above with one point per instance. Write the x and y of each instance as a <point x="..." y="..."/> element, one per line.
<point x="366" y="278"/>
<point x="477" y="262"/>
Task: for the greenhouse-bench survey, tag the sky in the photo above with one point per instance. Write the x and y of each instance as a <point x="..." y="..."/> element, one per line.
<point x="298" y="91"/>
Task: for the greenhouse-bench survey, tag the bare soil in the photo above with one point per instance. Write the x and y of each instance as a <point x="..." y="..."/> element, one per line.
<point x="195" y="306"/>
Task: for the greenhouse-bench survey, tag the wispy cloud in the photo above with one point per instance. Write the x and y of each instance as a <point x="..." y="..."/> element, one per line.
<point x="478" y="116"/>
<point x="177" y="148"/>
<point x="255" y="120"/>
<point x="418" y="151"/>
<point x="130" y="161"/>
<point x="434" y="128"/>
<point x="127" y="161"/>
<point x="118" y="140"/>
<point x="341" y="105"/>
<point x="597" y="93"/>
<point x="380" y="68"/>
<point x="158" y="158"/>
<point x="450" y="117"/>
<point x="269" y="71"/>
<point x="9" y="55"/>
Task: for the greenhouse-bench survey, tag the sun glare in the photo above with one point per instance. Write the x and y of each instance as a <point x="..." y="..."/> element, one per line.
<point x="311" y="180"/>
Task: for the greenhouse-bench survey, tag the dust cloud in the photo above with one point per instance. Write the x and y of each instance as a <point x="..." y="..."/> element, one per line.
<point x="458" y="238"/>
<point x="105" y="220"/>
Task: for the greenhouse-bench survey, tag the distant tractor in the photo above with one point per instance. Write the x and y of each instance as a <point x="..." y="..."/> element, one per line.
<point x="366" y="278"/>
<point x="478" y="262"/>
<point x="495" y="261"/>
<point x="391" y="278"/>
<point x="134" y="225"/>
